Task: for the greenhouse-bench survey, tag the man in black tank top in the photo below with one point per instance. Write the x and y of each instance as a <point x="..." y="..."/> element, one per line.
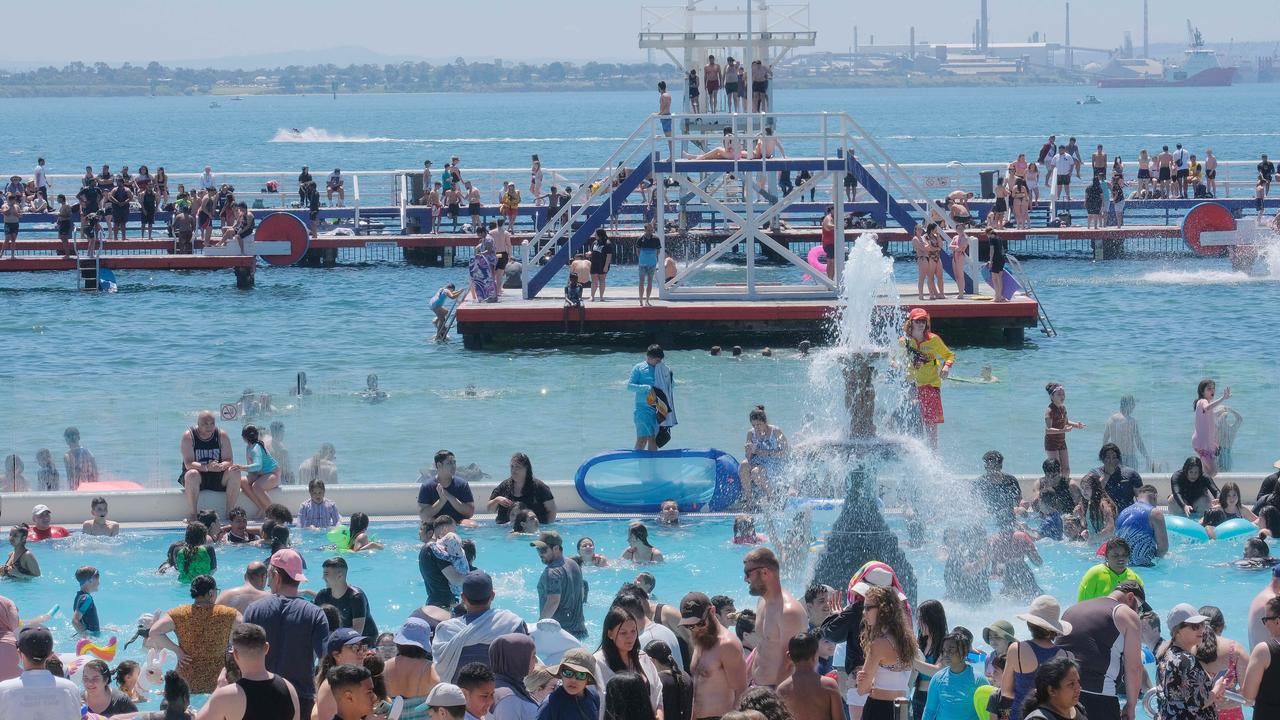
<point x="1106" y="640"/>
<point x="258" y="694"/>
<point x="207" y="463"/>
<point x="1262" y="679"/>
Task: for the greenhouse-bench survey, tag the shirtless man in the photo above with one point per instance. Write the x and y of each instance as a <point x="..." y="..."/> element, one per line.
<point x="1164" y="171"/>
<point x="453" y="199"/>
<point x="664" y="116"/>
<point x="779" y="617"/>
<point x="473" y="203"/>
<point x="98" y="524"/>
<point x="808" y="695"/>
<point x="207" y="462"/>
<point x="581" y="267"/>
<point x="767" y="145"/>
<point x="711" y="73"/>
<point x="254" y="588"/>
<point x="1099" y="163"/>
<point x="718" y="668"/>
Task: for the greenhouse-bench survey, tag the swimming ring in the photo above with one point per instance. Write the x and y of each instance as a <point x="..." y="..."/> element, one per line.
<point x="1234" y="527"/>
<point x="981" y="697"/>
<point x="103" y="651"/>
<point x="1186" y="527"/>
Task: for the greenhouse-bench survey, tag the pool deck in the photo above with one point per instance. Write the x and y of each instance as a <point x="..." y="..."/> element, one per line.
<point x="37" y="263"/>
<point x="514" y="321"/>
<point x="385" y="501"/>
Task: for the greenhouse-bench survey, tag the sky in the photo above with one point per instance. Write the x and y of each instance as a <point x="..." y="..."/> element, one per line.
<point x="143" y="30"/>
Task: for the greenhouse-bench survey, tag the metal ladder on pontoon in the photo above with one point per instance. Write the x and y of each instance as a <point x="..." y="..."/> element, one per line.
<point x="1046" y="326"/>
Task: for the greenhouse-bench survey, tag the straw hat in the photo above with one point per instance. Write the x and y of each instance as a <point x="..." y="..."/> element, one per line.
<point x="1045" y="612"/>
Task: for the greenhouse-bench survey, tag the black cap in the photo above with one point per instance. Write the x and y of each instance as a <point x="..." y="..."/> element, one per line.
<point x="1133" y="586"/>
<point x="36" y="642"/>
<point x="693" y="608"/>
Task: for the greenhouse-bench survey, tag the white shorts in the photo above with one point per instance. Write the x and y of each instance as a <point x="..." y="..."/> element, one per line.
<point x="851" y="697"/>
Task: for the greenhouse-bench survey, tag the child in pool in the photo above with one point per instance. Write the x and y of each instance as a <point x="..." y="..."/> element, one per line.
<point x="447" y="546"/>
<point x="126" y="676"/>
<point x="744" y="531"/>
<point x="1057" y="425"/>
<point x="359" y="535"/>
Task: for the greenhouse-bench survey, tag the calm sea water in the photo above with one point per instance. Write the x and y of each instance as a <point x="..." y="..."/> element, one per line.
<point x="131" y="369"/>
<point x="700" y="555"/>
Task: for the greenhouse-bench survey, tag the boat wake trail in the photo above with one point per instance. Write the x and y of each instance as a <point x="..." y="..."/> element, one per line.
<point x="320" y="135"/>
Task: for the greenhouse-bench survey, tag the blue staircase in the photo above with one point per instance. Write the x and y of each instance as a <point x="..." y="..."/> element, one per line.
<point x="596" y="217"/>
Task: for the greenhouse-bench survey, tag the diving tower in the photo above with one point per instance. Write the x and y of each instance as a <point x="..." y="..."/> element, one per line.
<point x="812" y="153"/>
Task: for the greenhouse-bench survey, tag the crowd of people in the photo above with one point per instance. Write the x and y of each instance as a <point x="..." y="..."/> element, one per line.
<point x="271" y="648"/>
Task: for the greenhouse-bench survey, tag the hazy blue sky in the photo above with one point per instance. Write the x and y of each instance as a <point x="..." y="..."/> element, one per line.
<point x="142" y="30"/>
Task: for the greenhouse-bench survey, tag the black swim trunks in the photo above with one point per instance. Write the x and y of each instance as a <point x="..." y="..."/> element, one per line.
<point x="208" y="480"/>
<point x="1165" y="174"/>
<point x="502" y="260"/>
<point x="760" y="86"/>
<point x="1144" y="174"/>
<point x="1064" y="179"/>
<point x="1211" y="174"/>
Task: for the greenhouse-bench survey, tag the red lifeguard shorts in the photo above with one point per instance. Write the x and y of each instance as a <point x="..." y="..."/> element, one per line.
<point x="930" y="399"/>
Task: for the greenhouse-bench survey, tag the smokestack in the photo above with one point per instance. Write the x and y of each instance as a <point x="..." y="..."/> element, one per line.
<point x="1146" y="50"/>
<point x="912" y="52"/>
<point x="1070" y="59"/>
<point x="984" y="38"/>
<point x="977" y="34"/>
<point x="855" y="39"/>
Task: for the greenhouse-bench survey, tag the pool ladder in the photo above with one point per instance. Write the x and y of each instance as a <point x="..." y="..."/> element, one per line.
<point x="1046" y="325"/>
<point x="87" y="273"/>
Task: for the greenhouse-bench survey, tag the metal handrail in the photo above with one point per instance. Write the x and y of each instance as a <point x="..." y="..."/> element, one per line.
<point x="580" y="198"/>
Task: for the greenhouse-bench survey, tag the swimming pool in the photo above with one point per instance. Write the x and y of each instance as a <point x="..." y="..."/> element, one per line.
<point x="700" y="556"/>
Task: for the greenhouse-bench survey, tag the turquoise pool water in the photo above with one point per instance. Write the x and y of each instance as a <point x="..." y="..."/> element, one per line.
<point x="700" y="556"/>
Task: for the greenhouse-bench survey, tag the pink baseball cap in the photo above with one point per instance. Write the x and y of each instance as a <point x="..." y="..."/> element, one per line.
<point x="290" y="562"/>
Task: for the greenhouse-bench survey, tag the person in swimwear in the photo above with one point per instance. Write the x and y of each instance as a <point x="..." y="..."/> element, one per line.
<point x="959" y="247"/>
<point x="472" y="196"/>
<point x="1204" y="440"/>
<point x="261" y="474"/>
<point x="448" y="292"/>
<point x="711" y="74"/>
<point x="727" y="151"/>
<point x="21" y="562"/>
<point x="925" y="258"/>
<point x="767" y="145"/>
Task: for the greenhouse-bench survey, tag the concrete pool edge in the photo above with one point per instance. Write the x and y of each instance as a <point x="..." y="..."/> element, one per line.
<point x="385" y="501"/>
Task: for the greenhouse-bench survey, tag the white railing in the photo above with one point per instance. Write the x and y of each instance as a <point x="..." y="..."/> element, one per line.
<point x="392" y="188"/>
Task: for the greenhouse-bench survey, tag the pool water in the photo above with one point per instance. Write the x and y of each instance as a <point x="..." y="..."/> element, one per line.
<point x="700" y="556"/>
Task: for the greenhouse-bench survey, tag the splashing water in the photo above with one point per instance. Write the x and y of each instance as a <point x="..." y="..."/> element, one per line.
<point x="890" y="468"/>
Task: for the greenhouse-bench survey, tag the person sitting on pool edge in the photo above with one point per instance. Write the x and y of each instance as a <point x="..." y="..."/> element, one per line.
<point x="208" y="463"/>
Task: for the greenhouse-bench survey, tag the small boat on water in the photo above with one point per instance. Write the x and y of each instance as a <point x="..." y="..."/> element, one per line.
<point x="1089" y="100"/>
<point x="214" y="104"/>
